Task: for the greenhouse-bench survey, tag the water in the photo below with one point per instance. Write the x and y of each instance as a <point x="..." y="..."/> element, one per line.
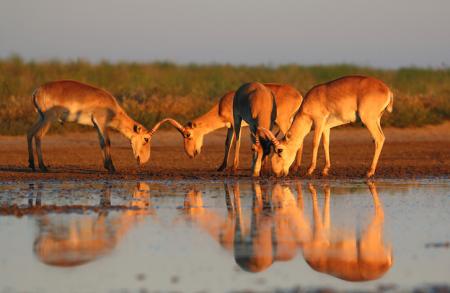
<point x="113" y="236"/>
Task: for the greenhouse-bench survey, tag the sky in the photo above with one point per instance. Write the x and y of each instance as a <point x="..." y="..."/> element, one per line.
<point x="381" y="33"/>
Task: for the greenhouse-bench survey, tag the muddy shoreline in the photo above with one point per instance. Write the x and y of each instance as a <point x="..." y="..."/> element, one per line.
<point x="407" y="154"/>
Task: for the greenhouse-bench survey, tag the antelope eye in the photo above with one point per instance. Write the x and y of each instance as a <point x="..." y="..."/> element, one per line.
<point x="146" y="139"/>
<point x="187" y="135"/>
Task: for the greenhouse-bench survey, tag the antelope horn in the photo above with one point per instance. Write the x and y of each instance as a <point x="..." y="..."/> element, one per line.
<point x="175" y="123"/>
<point x="270" y="135"/>
<point x="256" y="138"/>
<point x="157" y="125"/>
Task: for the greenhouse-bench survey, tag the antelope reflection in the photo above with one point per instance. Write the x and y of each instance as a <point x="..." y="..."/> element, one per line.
<point x="76" y="239"/>
<point x="271" y="234"/>
<point x="278" y="227"/>
<point x="344" y="254"/>
<point x="220" y="228"/>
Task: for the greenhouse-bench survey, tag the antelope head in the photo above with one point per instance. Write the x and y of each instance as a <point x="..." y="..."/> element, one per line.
<point x="140" y="143"/>
<point x="283" y="156"/>
<point x="192" y="137"/>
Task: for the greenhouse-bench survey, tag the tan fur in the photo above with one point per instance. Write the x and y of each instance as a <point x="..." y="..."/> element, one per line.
<point x="288" y="101"/>
<point x="255" y="104"/>
<point x="72" y="101"/>
<point x="332" y="104"/>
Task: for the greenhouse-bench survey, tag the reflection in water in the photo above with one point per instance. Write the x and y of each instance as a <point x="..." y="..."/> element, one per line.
<point x="218" y="227"/>
<point x="278" y="228"/>
<point x="275" y="227"/>
<point x="344" y="254"/>
<point x="75" y="239"/>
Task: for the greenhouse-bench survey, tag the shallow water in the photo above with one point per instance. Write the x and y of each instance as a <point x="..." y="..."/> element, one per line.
<point x="219" y="236"/>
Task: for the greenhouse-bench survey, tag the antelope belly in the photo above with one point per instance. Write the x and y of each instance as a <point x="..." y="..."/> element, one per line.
<point x="80" y="118"/>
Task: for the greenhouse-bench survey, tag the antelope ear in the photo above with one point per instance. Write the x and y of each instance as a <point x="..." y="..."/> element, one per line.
<point x="136" y="128"/>
<point x="288" y="136"/>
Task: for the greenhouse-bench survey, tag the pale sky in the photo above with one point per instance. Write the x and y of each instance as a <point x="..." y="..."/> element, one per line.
<point x="381" y="33"/>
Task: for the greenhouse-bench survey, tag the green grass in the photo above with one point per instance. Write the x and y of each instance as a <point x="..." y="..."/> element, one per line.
<point x="151" y="91"/>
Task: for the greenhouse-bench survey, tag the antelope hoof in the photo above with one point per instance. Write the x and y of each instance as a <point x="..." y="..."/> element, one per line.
<point x="295" y="169"/>
<point x="31" y="165"/>
<point x="111" y="169"/>
<point x="325" y="172"/>
<point x="370" y="174"/>
<point x="310" y="171"/>
<point x="43" y="168"/>
<point x="108" y="165"/>
<point x="222" y="168"/>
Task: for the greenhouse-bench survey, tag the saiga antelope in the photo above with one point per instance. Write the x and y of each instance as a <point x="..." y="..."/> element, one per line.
<point x="329" y="105"/>
<point x="72" y="101"/>
<point x="288" y="101"/>
<point x="255" y="104"/>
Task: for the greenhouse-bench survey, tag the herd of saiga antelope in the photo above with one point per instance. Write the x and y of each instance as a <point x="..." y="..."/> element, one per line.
<point x="260" y="106"/>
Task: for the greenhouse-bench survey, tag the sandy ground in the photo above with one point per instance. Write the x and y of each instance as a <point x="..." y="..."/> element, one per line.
<point x="407" y="153"/>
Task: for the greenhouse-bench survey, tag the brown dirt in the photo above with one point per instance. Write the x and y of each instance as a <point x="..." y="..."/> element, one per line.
<point x="408" y="153"/>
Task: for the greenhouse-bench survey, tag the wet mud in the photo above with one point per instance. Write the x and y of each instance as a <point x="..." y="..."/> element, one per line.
<point x="407" y="153"/>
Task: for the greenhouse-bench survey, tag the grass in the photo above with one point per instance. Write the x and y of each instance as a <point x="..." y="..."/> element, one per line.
<point x="151" y="91"/>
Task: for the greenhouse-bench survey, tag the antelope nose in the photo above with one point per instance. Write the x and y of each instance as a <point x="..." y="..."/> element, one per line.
<point x="195" y="153"/>
<point x="138" y="159"/>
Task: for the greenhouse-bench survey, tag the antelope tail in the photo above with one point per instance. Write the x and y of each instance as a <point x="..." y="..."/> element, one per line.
<point x="36" y="105"/>
<point x="390" y="106"/>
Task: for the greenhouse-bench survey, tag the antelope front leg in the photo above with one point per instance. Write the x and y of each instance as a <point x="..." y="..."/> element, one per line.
<point x="108" y="159"/>
<point x="45" y="125"/>
<point x="237" y="144"/>
<point x="266" y="164"/>
<point x="30" y="135"/>
<point x="105" y="145"/>
<point x="257" y="159"/>
<point x="298" y="159"/>
<point x="326" y="148"/>
<point x="317" y="135"/>
<point x="228" y="143"/>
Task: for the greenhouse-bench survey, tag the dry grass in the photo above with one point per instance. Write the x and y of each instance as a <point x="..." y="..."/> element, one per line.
<point x="151" y="91"/>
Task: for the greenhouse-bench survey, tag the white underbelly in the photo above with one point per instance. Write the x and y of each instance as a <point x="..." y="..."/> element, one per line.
<point x="334" y="121"/>
<point x="83" y="118"/>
